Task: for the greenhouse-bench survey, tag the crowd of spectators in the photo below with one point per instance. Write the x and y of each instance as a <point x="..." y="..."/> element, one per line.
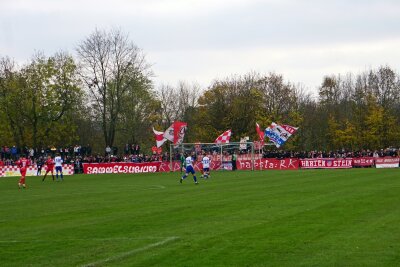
<point x="388" y="152"/>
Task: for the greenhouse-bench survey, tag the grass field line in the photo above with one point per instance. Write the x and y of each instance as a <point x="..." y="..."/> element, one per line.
<point x="82" y="239"/>
<point x="131" y="252"/>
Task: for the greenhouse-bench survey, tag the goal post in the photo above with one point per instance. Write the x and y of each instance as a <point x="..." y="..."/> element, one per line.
<point x="220" y="154"/>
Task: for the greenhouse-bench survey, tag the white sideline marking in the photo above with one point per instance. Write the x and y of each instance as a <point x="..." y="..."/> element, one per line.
<point x="131" y="252"/>
<point x="80" y="239"/>
<point x="157" y="187"/>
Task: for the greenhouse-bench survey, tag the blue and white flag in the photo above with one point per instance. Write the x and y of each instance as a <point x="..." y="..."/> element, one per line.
<point x="279" y="134"/>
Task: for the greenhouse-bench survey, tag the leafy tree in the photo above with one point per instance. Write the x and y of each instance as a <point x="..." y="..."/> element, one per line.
<point x="38" y="100"/>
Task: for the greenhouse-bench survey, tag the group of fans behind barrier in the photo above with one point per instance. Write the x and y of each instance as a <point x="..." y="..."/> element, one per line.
<point x="23" y="161"/>
<point x="83" y="157"/>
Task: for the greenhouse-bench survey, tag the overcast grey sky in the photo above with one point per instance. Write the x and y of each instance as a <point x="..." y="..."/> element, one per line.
<point x="200" y="40"/>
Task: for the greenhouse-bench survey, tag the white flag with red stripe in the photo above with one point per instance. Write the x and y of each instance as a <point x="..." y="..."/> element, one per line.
<point x="160" y="139"/>
<point x="169" y="133"/>
<point x="224" y="137"/>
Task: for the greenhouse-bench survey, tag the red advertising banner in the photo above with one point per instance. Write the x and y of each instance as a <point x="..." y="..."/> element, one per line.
<point x="363" y="162"/>
<point x="120" y="167"/>
<point x="165" y="166"/>
<point x="322" y="163"/>
<point x="387" y="162"/>
<point x="243" y="163"/>
<point x="269" y="164"/>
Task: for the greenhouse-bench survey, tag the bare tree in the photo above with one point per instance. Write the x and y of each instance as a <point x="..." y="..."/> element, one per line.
<point x="111" y="66"/>
<point x="177" y="102"/>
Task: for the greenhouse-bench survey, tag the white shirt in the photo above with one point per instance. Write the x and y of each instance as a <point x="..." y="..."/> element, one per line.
<point x="206" y="162"/>
<point x="189" y="161"/>
<point x="58" y="160"/>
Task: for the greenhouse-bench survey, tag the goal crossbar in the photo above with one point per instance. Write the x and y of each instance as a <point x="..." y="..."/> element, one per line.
<point x="223" y="152"/>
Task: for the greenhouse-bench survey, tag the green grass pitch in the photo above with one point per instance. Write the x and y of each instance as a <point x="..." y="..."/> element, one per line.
<point x="262" y="218"/>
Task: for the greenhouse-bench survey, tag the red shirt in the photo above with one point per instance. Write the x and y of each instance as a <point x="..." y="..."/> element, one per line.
<point x="50" y="163"/>
<point x="22" y="163"/>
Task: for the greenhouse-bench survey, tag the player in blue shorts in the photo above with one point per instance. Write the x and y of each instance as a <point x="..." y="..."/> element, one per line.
<point x="58" y="161"/>
<point x="206" y="166"/>
<point x="189" y="169"/>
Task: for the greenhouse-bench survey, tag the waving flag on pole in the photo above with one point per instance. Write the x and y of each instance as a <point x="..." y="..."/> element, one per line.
<point x="279" y="134"/>
<point x="224" y="137"/>
<point x="175" y="133"/>
<point x="169" y="133"/>
<point x="160" y="139"/>
<point x="179" y="131"/>
<point x="260" y="133"/>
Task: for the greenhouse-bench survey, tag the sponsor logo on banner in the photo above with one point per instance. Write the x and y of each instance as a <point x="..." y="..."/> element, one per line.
<point x="165" y="166"/>
<point x="100" y="168"/>
<point x="326" y="163"/>
<point x="269" y="164"/>
<point x="387" y="162"/>
<point x="363" y="162"/>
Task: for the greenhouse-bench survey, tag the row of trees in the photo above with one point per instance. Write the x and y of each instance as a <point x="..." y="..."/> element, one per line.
<point x="105" y="97"/>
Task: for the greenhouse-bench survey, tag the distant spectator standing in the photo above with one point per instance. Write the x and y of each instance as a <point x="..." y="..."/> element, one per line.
<point x="234" y="158"/>
<point x="77" y="166"/>
<point x="88" y="150"/>
<point x="31" y="153"/>
<point x="108" y="150"/>
<point x="14" y="152"/>
<point x="137" y="149"/>
<point x="126" y="149"/>
<point x="39" y="165"/>
<point x="76" y="150"/>
<point x="53" y="150"/>
<point x="134" y="149"/>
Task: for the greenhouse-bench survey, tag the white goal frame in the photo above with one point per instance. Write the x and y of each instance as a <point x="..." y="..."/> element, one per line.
<point x="221" y="146"/>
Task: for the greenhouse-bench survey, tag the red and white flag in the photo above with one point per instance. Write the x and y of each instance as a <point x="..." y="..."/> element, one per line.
<point x="169" y="133"/>
<point x="260" y="133"/>
<point x="224" y="137"/>
<point x="179" y="132"/>
<point x="160" y="139"/>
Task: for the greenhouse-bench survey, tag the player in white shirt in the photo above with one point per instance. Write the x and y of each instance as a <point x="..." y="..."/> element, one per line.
<point x="189" y="169"/>
<point x="206" y="166"/>
<point x="58" y="161"/>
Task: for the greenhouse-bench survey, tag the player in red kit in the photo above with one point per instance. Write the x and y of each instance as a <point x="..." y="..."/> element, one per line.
<point x="50" y="166"/>
<point x="22" y="164"/>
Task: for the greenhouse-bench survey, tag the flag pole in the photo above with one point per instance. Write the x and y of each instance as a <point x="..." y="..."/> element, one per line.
<point x="170" y="159"/>
<point x="259" y="153"/>
<point x="222" y="167"/>
<point x="252" y="156"/>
